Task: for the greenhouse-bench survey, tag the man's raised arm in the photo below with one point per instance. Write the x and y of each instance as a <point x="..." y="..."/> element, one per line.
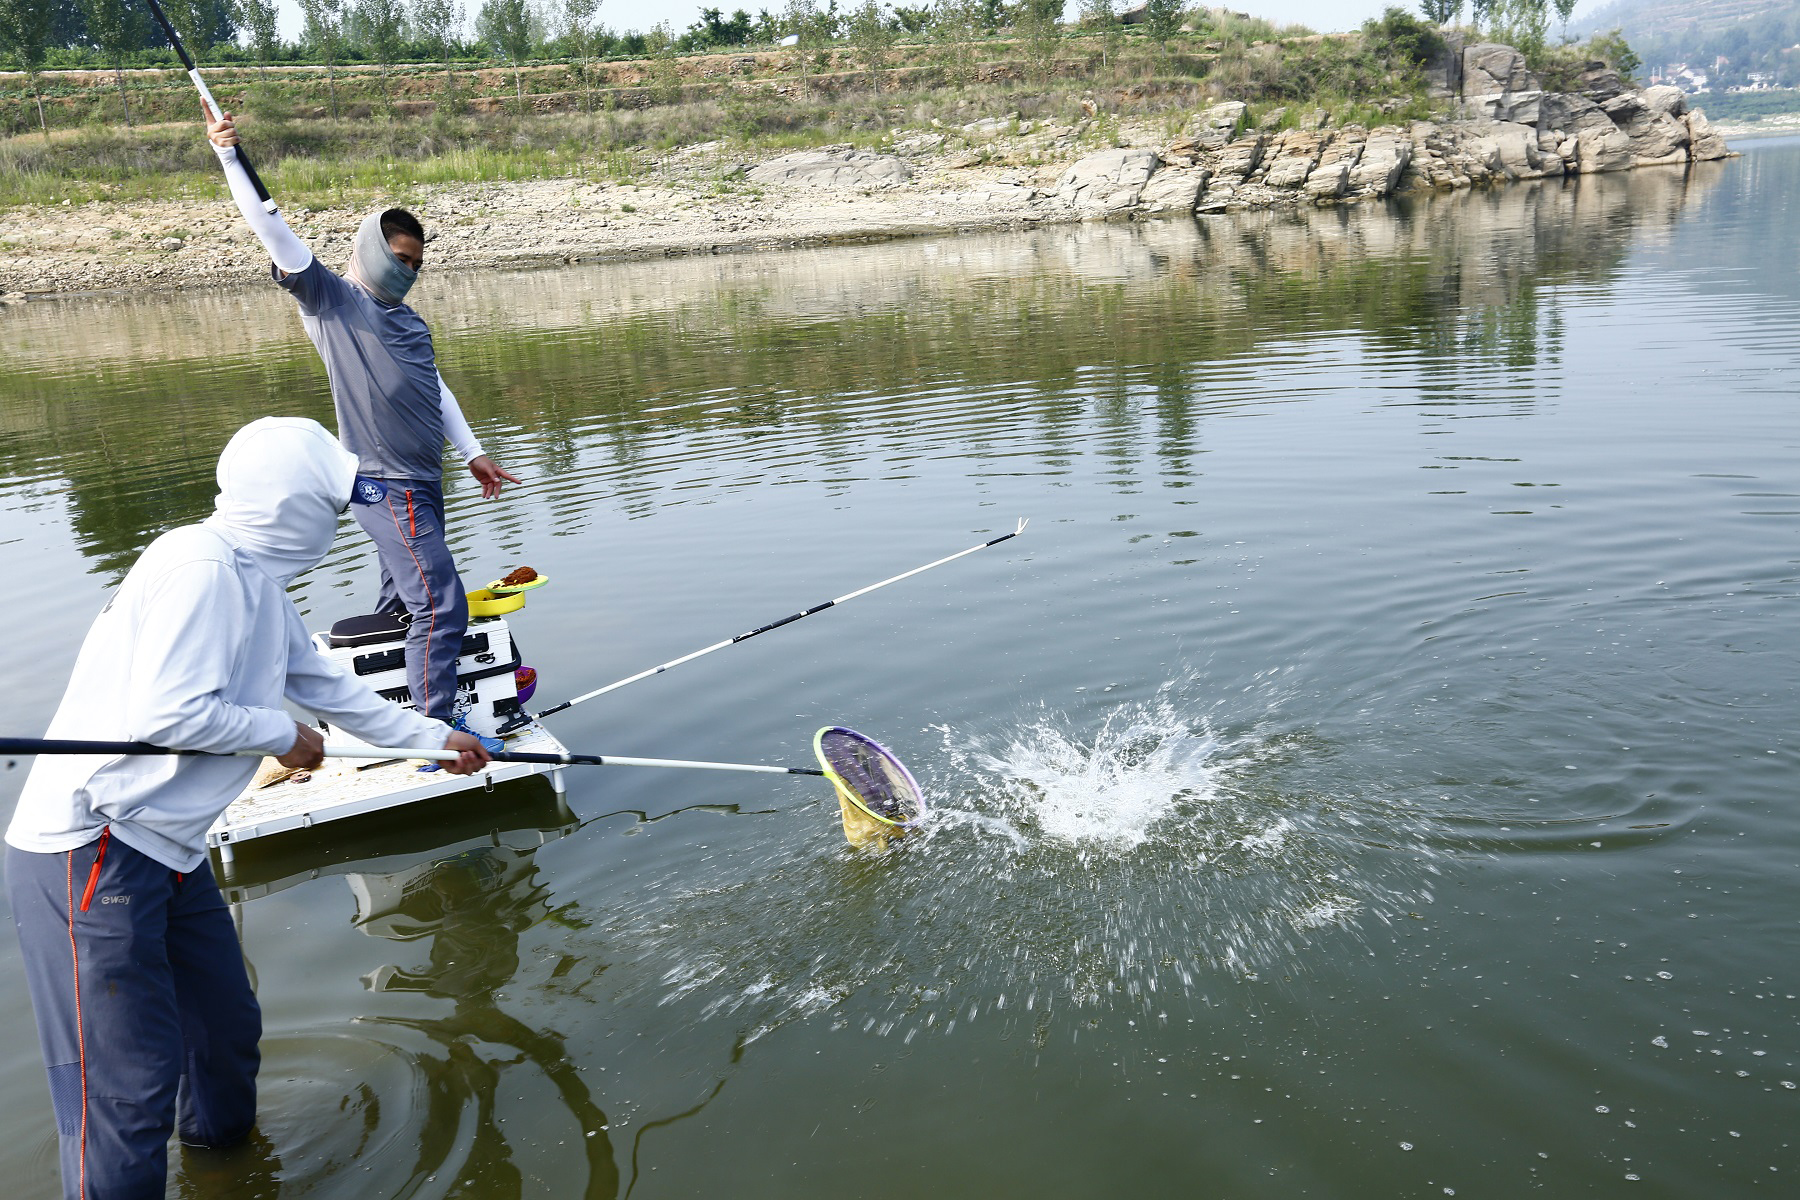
<point x="289" y="254"/>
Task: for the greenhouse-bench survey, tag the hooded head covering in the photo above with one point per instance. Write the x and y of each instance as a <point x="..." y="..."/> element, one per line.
<point x="283" y="482"/>
<point x="372" y="264"/>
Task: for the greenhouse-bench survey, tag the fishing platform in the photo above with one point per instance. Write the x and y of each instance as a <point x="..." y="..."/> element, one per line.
<point x="492" y="683"/>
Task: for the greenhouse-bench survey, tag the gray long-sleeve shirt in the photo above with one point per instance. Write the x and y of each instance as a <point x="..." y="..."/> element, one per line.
<point x="383" y="371"/>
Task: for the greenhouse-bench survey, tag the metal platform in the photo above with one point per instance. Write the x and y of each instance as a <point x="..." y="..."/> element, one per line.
<point x="346" y="788"/>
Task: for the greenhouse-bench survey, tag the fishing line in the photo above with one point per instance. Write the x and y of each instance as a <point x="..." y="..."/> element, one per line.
<point x="787" y="620"/>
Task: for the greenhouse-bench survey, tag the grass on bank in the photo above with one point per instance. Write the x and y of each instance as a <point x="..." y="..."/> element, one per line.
<point x="320" y="161"/>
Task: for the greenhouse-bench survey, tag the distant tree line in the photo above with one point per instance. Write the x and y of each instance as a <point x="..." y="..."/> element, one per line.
<point x="116" y="34"/>
<point x="82" y="33"/>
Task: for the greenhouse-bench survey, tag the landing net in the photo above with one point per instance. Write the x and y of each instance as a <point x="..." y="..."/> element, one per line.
<point x="878" y="796"/>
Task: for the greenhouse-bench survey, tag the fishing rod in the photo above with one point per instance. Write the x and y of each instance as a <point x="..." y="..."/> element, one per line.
<point x="27" y="746"/>
<point x="787" y="620"/>
<point x="206" y="99"/>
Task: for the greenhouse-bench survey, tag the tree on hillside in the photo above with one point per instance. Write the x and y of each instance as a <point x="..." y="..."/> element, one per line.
<point x="434" y="26"/>
<point x="954" y="27"/>
<point x="379" y="23"/>
<point x="202" y="24"/>
<point x="505" y="25"/>
<point x="1101" y="17"/>
<point x="1442" y="12"/>
<point x="1564" y="10"/>
<point x="577" y="22"/>
<point x="1612" y="49"/>
<point x="1480" y="12"/>
<point x="811" y="30"/>
<point x="715" y="29"/>
<point x="258" y="19"/>
<point x="665" y="74"/>
<point x="25" y="34"/>
<point x="1401" y="40"/>
<point x="913" y="20"/>
<point x="116" y="27"/>
<point x="1162" y="21"/>
<point x="1039" y="23"/>
<point x="325" y="29"/>
<point x="1523" y="25"/>
<point x="874" y="40"/>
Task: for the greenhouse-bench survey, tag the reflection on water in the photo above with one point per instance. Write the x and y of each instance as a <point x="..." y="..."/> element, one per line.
<point x="718" y="373"/>
<point x="412" y="1102"/>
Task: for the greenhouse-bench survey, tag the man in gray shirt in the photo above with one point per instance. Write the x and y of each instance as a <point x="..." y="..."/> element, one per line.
<point x="394" y="412"/>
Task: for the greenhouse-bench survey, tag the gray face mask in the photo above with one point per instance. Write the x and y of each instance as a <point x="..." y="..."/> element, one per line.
<point x="372" y="264"/>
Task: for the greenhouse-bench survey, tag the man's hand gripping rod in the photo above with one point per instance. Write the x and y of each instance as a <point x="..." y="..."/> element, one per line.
<point x="206" y="99"/>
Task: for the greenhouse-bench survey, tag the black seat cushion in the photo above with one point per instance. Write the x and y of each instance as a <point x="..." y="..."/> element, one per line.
<point x="366" y="631"/>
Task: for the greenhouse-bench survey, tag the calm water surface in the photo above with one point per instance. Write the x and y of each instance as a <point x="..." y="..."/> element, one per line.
<point x="1371" y="775"/>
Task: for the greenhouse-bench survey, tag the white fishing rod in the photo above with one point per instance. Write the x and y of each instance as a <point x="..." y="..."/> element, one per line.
<point x="787" y="620"/>
<point x="206" y="99"/>
<point x="32" y="746"/>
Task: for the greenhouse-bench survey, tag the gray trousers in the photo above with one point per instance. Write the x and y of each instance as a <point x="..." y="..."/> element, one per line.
<point x="418" y="576"/>
<point x="145" y="1014"/>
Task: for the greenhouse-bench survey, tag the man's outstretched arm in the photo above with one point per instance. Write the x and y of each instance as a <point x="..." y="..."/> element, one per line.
<point x="488" y="473"/>
<point x="289" y="254"/>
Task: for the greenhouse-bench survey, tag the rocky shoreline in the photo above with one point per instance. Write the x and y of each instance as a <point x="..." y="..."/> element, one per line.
<point x="994" y="174"/>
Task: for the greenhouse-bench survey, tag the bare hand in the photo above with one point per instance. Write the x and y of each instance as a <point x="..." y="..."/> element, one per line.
<point x="489" y="473"/>
<point x="473" y="757"/>
<point x="308" y="750"/>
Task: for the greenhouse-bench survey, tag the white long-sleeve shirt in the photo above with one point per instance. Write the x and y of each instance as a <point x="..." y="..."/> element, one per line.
<point x="196" y="651"/>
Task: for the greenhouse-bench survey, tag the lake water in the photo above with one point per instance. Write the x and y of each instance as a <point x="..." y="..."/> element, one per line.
<point x="1371" y="775"/>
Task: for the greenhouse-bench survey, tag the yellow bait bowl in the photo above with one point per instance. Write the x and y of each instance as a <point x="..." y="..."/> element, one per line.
<point x="484" y="603"/>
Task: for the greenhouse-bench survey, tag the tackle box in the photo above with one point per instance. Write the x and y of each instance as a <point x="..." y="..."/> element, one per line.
<point x="373" y="649"/>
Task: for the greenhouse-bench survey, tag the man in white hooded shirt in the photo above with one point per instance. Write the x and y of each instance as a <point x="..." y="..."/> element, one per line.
<point x="145" y="1012"/>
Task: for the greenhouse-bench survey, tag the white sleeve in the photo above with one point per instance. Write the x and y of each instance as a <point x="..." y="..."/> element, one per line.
<point x="316" y="684"/>
<point x="456" y="426"/>
<point x="183" y="659"/>
<point x="285" y="248"/>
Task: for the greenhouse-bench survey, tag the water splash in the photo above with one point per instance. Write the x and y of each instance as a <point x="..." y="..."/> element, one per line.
<point x="1108" y="791"/>
<point x="1140" y="856"/>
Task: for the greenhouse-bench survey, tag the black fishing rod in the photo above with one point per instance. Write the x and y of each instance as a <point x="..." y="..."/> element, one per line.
<point x="787" y="620"/>
<point x="206" y="99"/>
<point x="33" y="746"/>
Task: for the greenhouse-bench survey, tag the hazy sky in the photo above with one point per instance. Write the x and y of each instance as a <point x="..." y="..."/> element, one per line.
<point x="1323" y="15"/>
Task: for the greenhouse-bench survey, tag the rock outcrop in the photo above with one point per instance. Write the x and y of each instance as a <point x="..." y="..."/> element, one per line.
<point x="1506" y="126"/>
<point x="1109" y="182"/>
<point x="834" y="167"/>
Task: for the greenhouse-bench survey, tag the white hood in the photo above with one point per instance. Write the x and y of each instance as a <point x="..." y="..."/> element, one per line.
<point x="283" y="484"/>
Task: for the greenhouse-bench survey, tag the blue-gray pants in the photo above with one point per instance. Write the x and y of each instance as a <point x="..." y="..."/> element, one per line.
<point x="418" y="576"/>
<point x="144" y="1011"/>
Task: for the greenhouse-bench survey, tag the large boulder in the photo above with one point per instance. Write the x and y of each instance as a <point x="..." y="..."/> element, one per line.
<point x="834" y="168"/>
<point x="1490" y="69"/>
<point x="1608" y="150"/>
<point x="1331" y="178"/>
<point x="1443" y="70"/>
<point x="1214" y="128"/>
<point x="1239" y="158"/>
<point x="1385" y="157"/>
<point x="1704" y="144"/>
<point x="1669" y="101"/>
<point x="1573" y="116"/>
<point x="1512" y="150"/>
<point x="1175" y="192"/>
<point x="1109" y="181"/>
<point x="1599" y="82"/>
<point x="1329" y="181"/>
<point x="1290" y="158"/>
